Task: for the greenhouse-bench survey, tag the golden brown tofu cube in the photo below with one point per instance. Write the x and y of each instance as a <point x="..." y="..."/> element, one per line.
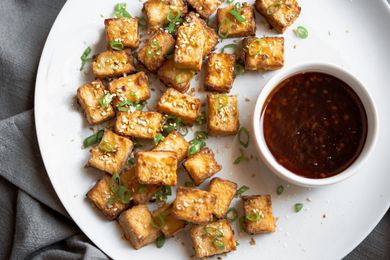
<point x="153" y="53"/>
<point x="258" y="214"/>
<point x="170" y="224"/>
<point x="141" y="193"/>
<point x="156" y="167"/>
<point x="111" y="153"/>
<point x="101" y="196"/>
<point x="89" y="97"/>
<point x="174" y="142"/>
<point x="279" y="14"/>
<point x="136" y="226"/>
<point x="225" y="191"/>
<point x="205" y="7"/>
<point x="189" y="46"/>
<point x="138" y="123"/>
<point x="202" y="165"/>
<point x="134" y="88"/>
<point x="229" y="26"/>
<point x="157" y="11"/>
<point x="175" y="77"/>
<point x="193" y="205"/>
<point x="124" y="30"/>
<point x="220" y="72"/>
<point x="213" y="238"/>
<point x="179" y="105"/>
<point x="111" y="64"/>
<point x="266" y="53"/>
<point x="223" y="115"/>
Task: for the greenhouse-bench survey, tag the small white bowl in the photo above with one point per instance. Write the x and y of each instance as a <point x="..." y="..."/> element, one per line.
<point x="348" y="78"/>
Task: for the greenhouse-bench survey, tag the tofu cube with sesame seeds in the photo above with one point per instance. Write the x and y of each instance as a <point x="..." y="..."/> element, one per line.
<point x="154" y="52"/>
<point x="213" y="238"/>
<point x="111" y="153"/>
<point x="220" y="72"/>
<point x="193" y="205"/>
<point x="223" y="115"/>
<point x="110" y="64"/>
<point x="258" y="214"/>
<point x="138" y="124"/>
<point x="229" y="26"/>
<point x="89" y="97"/>
<point x="124" y="30"/>
<point x="279" y="15"/>
<point x="180" y="105"/>
<point x="141" y="193"/>
<point x="102" y="196"/>
<point x="170" y="224"/>
<point x="157" y="11"/>
<point x="224" y="191"/>
<point x="174" y="77"/>
<point x="136" y="226"/>
<point x="265" y="53"/>
<point x="174" y="142"/>
<point x="205" y="7"/>
<point x="156" y="167"/>
<point x="202" y="165"/>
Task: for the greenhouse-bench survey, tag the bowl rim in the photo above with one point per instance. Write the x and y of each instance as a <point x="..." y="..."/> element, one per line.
<point x="357" y="86"/>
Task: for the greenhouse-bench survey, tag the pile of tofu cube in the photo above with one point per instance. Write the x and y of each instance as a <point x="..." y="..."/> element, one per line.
<point x="191" y="45"/>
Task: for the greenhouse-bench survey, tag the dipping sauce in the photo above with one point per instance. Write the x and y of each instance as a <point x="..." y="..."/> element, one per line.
<point x="314" y="125"/>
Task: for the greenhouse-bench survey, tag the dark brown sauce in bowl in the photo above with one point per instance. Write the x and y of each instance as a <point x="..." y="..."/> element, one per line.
<point x="314" y="124"/>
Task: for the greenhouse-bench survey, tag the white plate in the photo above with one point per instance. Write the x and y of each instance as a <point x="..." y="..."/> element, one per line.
<point x="353" y="34"/>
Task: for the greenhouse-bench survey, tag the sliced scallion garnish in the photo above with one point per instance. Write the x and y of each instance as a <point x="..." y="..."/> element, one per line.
<point x="255" y="47"/>
<point x="196" y="146"/>
<point x="120" y="11"/>
<point x="241" y="158"/>
<point x="158" y="222"/>
<point x="243" y="137"/>
<point x="106" y="100"/>
<point x="231" y="215"/>
<point x="107" y="146"/>
<point x="219" y="243"/>
<point x="298" y="207"/>
<point x="142" y="189"/>
<point x="212" y="231"/>
<point x="84" y="57"/>
<point x="160" y="241"/>
<point x="93" y="139"/>
<point x="253" y="217"/>
<point x="116" y="45"/>
<point x="142" y="21"/>
<point x="189" y="184"/>
<point x="279" y="189"/>
<point x="242" y="190"/>
<point x="236" y="14"/>
<point x="301" y="32"/>
<point x="201" y="135"/>
<point x="158" y="138"/>
<point x="230" y="46"/>
<point x="201" y="119"/>
<point x="273" y="8"/>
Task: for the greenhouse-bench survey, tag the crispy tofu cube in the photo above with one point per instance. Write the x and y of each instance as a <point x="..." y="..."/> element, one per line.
<point x="174" y="77"/>
<point x="189" y="46"/>
<point x="206" y="238"/>
<point x="156" y="167"/>
<point x="134" y="88"/>
<point x="205" y="7"/>
<point x="89" y="96"/>
<point x="258" y="209"/>
<point x="266" y="53"/>
<point x="220" y="72"/>
<point x="141" y="193"/>
<point x="174" y="142"/>
<point x="112" y="152"/>
<point x="229" y="26"/>
<point x="202" y="165"/>
<point x="193" y="205"/>
<point x="100" y="195"/>
<point x="138" y="124"/>
<point x="136" y="226"/>
<point x="180" y="105"/>
<point x="225" y="191"/>
<point x="223" y="115"/>
<point x="111" y="64"/>
<point x="157" y="11"/>
<point x="171" y="225"/>
<point x="153" y="53"/>
<point x="279" y="14"/>
<point x="124" y="30"/>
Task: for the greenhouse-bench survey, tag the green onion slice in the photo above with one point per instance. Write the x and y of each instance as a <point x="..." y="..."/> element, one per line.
<point x="298" y="207"/>
<point x="184" y="77"/>
<point x="212" y="231"/>
<point x="158" y="222"/>
<point x="93" y="139"/>
<point x="115" y="182"/>
<point x="243" y="137"/>
<point x="279" y="189"/>
<point x="142" y="21"/>
<point x="230" y="46"/>
<point x="201" y="135"/>
<point x="273" y="8"/>
<point x="242" y="190"/>
<point x="120" y="11"/>
<point x="223" y="101"/>
<point x="236" y="14"/>
<point x="189" y="184"/>
<point x="201" y="119"/>
<point x="241" y="220"/>
<point x="195" y="146"/>
<point x="255" y="47"/>
<point x="84" y="57"/>
<point x="131" y="161"/>
<point x="107" y="146"/>
<point x="106" y="100"/>
<point x="241" y="158"/>
<point x="183" y="130"/>
<point x="229" y="1"/>
<point x="158" y="138"/>
<point x="141" y="189"/>
<point x="301" y="32"/>
<point x="237" y="6"/>
<point x="219" y="243"/>
<point x="123" y="194"/>
<point x="224" y="28"/>
<point x="173" y="15"/>
<point x="116" y="45"/>
<point x="239" y="69"/>
<point x="231" y="215"/>
<point x="160" y="241"/>
<point x="253" y="217"/>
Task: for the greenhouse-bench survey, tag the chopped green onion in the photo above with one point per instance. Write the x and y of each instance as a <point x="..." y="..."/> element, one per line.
<point x="298" y="207"/>
<point x="141" y="189"/>
<point x="160" y="223"/>
<point x="279" y="189"/>
<point x="160" y="241"/>
<point x="115" y="182"/>
<point x="136" y="143"/>
<point x="253" y="216"/>
<point x="126" y="104"/>
<point x="212" y="231"/>
<point x="223" y="101"/>
<point x="84" y="57"/>
<point x="273" y="8"/>
<point x="116" y="45"/>
<point x="158" y="138"/>
<point x="242" y="190"/>
<point x="230" y="46"/>
<point x="195" y="146"/>
<point x="173" y="15"/>
<point x="183" y="130"/>
<point x="120" y="11"/>
<point x="224" y="29"/>
<point x="237" y="244"/>
<point x="201" y="119"/>
<point x="231" y="215"/>
<point x="172" y="123"/>
<point x="121" y="193"/>
<point x="153" y="49"/>
<point x="243" y="137"/>
<point x="241" y="158"/>
<point x="124" y="195"/>
<point x="219" y="243"/>
<point x="93" y="139"/>
<point x="142" y="21"/>
<point x="229" y="1"/>
<point x="106" y="100"/>
<point x="183" y="77"/>
<point x="163" y="194"/>
<point x="189" y="184"/>
<point x="241" y="220"/>
<point x="107" y="146"/>
<point x="237" y="5"/>
<point x="131" y="161"/>
<point x="201" y="135"/>
<point x="239" y="69"/>
<point x="253" y="49"/>
<point x="301" y="32"/>
<point x="237" y="15"/>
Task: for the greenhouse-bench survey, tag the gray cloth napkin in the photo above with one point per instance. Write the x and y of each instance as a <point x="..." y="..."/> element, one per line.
<point x="33" y="222"/>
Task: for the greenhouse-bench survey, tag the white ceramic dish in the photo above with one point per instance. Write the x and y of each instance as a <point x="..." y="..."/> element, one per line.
<point x="353" y="34"/>
<point x="360" y="90"/>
